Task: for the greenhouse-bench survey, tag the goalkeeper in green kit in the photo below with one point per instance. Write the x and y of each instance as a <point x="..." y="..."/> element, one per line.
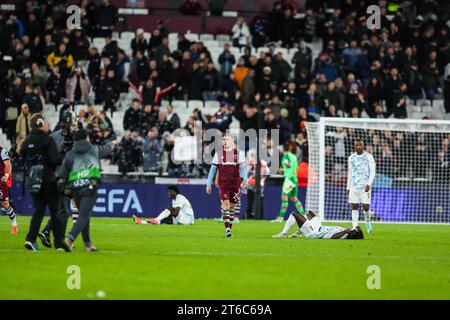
<point x="289" y="189"/>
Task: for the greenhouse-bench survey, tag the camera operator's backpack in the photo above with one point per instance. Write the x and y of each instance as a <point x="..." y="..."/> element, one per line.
<point x="34" y="178"/>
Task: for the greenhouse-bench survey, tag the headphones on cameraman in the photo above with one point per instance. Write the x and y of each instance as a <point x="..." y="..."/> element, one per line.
<point x="40" y="123"/>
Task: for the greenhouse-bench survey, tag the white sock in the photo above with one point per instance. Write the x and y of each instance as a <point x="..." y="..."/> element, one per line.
<point x="162" y="215"/>
<point x="290" y="222"/>
<point x="355" y="218"/>
<point x="11" y="215"/>
<point x="367" y="216"/>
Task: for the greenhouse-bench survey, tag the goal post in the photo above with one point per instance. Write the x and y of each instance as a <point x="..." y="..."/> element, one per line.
<point x="412" y="181"/>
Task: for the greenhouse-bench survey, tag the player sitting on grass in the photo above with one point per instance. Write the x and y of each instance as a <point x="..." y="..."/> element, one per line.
<point x="181" y="210"/>
<point x="312" y="228"/>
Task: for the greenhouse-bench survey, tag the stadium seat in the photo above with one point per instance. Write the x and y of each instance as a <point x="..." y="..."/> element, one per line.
<point x="413" y="108"/>
<point x="206" y="37"/>
<point x="177" y="104"/>
<point x="438" y="103"/>
<point x="428" y="109"/>
<point x="98" y="42"/>
<point x="423" y="102"/>
<point x="212" y="106"/>
<point x="223" y="38"/>
<point x="417" y="115"/>
<point x="164" y="103"/>
<point x="284" y="51"/>
<point x="127" y="35"/>
<point x="191" y="36"/>
<point x="195" y="104"/>
<point x="211" y="44"/>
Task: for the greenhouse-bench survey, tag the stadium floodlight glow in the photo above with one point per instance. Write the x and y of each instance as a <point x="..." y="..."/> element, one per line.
<point x="412" y="182"/>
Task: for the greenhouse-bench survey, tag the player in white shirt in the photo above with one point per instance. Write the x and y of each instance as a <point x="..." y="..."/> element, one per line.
<point x="361" y="173"/>
<point x="311" y="228"/>
<point x="180" y="211"/>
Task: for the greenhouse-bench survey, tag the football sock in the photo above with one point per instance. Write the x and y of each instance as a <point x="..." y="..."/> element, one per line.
<point x="74" y="215"/>
<point x="355" y="218"/>
<point x="226" y="219"/>
<point x="162" y="215"/>
<point x="299" y="207"/>
<point x="11" y="215"/>
<point x="290" y="222"/>
<point x="367" y="216"/>
<point x="284" y="206"/>
<point x="232" y="216"/>
<point x="237" y="208"/>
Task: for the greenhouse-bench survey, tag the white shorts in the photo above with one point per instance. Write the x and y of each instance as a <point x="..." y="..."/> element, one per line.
<point x="183" y="219"/>
<point x="359" y="196"/>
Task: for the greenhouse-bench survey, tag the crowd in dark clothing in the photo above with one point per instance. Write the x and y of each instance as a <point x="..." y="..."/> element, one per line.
<point x="358" y="72"/>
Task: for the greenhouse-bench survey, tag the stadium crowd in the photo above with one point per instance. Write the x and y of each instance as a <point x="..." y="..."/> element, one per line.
<point x="359" y="72"/>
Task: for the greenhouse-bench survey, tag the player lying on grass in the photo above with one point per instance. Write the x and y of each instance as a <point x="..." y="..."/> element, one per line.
<point x="312" y="228"/>
<point x="179" y="213"/>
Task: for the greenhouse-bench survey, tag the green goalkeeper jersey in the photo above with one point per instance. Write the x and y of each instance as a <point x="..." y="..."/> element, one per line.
<point x="289" y="165"/>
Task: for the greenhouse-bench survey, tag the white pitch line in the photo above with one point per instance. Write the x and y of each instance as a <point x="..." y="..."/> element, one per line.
<point x="50" y="251"/>
<point x="258" y="254"/>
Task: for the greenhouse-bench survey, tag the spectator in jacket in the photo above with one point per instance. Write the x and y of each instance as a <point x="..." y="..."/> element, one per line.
<point x="173" y="117"/>
<point x="132" y="116"/>
<point x="241" y="33"/>
<point x="33" y="100"/>
<point x="138" y="43"/>
<point x="430" y="79"/>
<point x="105" y="17"/>
<point x="302" y="59"/>
<point x="240" y="72"/>
<point x="56" y="87"/>
<point x="62" y="58"/>
<point x="447" y="94"/>
<point x="23" y="122"/>
<point x="77" y="87"/>
<point x="280" y="69"/>
<point x="413" y="81"/>
<point x="226" y="60"/>
<point x="151" y="151"/>
<point x="79" y="45"/>
<point x="210" y="82"/>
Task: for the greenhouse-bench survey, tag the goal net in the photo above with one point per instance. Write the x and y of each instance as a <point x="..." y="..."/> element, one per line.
<point x="412" y="181"/>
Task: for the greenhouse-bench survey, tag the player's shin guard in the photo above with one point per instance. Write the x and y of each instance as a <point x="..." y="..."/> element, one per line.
<point x="355" y="218"/>
<point x="284" y="206"/>
<point x="299" y="207"/>
<point x="11" y="214"/>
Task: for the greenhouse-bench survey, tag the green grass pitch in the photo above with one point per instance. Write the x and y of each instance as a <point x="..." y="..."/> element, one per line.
<point x="198" y="262"/>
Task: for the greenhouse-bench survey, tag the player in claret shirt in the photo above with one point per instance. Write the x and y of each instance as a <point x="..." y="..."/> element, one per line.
<point x="5" y="185"/>
<point x="230" y="163"/>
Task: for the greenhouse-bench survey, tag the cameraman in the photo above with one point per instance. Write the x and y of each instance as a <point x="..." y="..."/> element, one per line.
<point x="41" y="156"/>
<point x="81" y="171"/>
<point x="64" y="142"/>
